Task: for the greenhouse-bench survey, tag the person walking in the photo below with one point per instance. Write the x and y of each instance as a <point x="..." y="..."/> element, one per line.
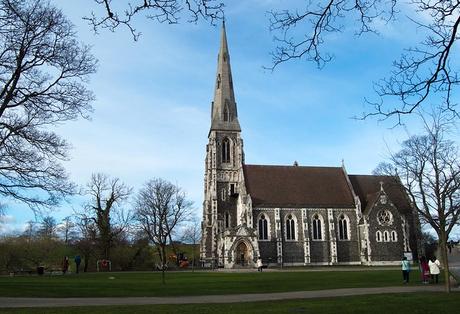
<point x="77" y="260"/>
<point x="434" y="269"/>
<point x="424" y="270"/>
<point x="405" y="266"/>
<point x="259" y="264"/>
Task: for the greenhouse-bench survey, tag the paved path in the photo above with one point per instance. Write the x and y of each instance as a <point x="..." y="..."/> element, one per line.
<point x="234" y="298"/>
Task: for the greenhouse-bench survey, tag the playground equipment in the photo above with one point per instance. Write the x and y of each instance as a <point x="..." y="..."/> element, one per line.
<point x="103" y="265"/>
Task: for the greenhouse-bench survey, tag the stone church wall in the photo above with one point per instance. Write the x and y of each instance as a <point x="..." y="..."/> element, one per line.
<point x="267" y="250"/>
<point x="347" y="250"/>
<point x="385" y="250"/>
<point x="319" y="252"/>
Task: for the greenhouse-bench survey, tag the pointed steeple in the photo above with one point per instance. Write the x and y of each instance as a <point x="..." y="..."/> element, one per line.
<point x="224" y="112"/>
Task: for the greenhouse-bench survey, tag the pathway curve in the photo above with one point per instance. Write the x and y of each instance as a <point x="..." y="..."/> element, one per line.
<point x="233" y="298"/>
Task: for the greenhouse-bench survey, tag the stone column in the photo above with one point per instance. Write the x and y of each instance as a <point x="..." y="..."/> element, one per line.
<point x="332" y="237"/>
<point x="279" y="236"/>
<point x="306" y="237"/>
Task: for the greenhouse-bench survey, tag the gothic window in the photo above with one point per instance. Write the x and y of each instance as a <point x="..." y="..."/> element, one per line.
<point x="343" y="227"/>
<point x="386" y="236"/>
<point x="223" y="194"/>
<point x="394" y="236"/>
<point x="378" y="236"/>
<point x="218" y="81"/>
<point x="226" y="150"/>
<point x="384" y="217"/>
<point x="317" y="227"/>
<point x="290" y="228"/>
<point x="227" y="220"/>
<point x="263" y="227"/>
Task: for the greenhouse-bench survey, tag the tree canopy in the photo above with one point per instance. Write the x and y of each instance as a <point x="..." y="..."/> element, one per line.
<point x="44" y="71"/>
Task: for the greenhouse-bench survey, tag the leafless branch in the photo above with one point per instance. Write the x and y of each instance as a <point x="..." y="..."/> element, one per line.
<point x="43" y="76"/>
<point x="317" y="21"/>
<point x="162" y="11"/>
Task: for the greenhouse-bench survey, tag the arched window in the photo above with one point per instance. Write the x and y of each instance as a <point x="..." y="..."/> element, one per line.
<point x="317" y="227"/>
<point x="290" y="228"/>
<point x="386" y="236"/>
<point x="263" y="228"/>
<point x="378" y="236"/>
<point x="394" y="236"/>
<point x="343" y="227"/>
<point x="218" y="81"/>
<point x="226" y="150"/>
<point x="227" y="220"/>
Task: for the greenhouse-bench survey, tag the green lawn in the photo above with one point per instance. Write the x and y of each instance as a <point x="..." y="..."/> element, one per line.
<point x="413" y="303"/>
<point x="198" y="283"/>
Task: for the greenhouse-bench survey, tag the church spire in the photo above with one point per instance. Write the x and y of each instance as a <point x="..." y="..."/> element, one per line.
<point x="224" y="112"/>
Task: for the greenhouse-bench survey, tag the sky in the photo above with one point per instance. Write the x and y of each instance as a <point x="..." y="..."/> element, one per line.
<point x="153" y="101"/>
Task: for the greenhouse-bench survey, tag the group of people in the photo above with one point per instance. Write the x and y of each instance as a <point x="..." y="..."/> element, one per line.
<point x="65" y="264"/>
<point x="429" y="268"/>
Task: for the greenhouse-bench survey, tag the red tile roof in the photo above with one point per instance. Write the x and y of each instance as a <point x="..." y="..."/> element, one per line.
<point x="367" y="186"/>
<point x="297" y="187"/>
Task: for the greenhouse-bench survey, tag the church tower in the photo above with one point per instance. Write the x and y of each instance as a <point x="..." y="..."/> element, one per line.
<point x="223" y="167"/>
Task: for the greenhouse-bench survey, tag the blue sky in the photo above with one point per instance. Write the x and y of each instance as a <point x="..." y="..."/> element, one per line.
<point x="152" y="112"/>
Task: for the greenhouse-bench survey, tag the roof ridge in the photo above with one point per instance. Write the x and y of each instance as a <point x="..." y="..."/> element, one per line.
<point x="291" y="166"/>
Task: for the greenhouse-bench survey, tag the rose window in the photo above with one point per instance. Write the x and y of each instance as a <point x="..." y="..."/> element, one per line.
<point x="384" y="217"/>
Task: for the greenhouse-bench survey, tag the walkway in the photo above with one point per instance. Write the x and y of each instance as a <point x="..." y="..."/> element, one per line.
<point x="234" y="298"/>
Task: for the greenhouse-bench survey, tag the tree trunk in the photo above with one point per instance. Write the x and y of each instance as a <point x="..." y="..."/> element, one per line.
<point x="445" y="261"/>
<point x="163" y="262"/>
<point x="193" y="257"/>
<point x="172" y="244"/>
<point x="85" y="267"/>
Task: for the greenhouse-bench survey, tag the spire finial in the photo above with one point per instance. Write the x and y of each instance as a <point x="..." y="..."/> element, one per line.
<point x="381" y="186"/>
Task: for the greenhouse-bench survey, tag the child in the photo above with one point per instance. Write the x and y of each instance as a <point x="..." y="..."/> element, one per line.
<point x="424" y="270"/>
<point x="405" y="266"/>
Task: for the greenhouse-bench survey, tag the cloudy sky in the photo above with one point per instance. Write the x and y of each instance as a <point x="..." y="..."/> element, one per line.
<point x="152" y="112"/>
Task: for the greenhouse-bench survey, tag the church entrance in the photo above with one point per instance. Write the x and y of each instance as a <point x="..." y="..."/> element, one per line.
<point x="242" y="254"/>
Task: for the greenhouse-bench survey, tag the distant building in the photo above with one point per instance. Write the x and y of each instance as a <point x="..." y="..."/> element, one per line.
<point x="293" y="215"/>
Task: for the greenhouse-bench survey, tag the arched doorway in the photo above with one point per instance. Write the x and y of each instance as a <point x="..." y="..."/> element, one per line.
<point x="242" y="254"/>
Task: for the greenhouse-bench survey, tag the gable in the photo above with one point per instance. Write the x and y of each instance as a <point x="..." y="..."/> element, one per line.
<point x="367" y="188"/>
<point x="297" y="187"/>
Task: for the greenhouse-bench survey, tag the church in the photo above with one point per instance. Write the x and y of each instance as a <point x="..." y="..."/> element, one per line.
<point x="293" y="215"/>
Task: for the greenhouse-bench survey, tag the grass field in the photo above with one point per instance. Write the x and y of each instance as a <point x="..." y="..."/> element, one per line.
<point x="197" y="283"/>
<point x="438" y="303"/>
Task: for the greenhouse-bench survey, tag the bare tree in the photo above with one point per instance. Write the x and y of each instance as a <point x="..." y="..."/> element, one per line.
<point x="48" y="227"/>
<point x="429" y="167"/>
<point x="67" y="229"/>
<point x="425" y="70"/>
<point x="43" y="76"/>
<point x="105" y="209"/>
<point x="160" y="208"/>
<point x="192" y="235"/>
<point x="86" y="238"/>
<point x="162" y="11"/>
